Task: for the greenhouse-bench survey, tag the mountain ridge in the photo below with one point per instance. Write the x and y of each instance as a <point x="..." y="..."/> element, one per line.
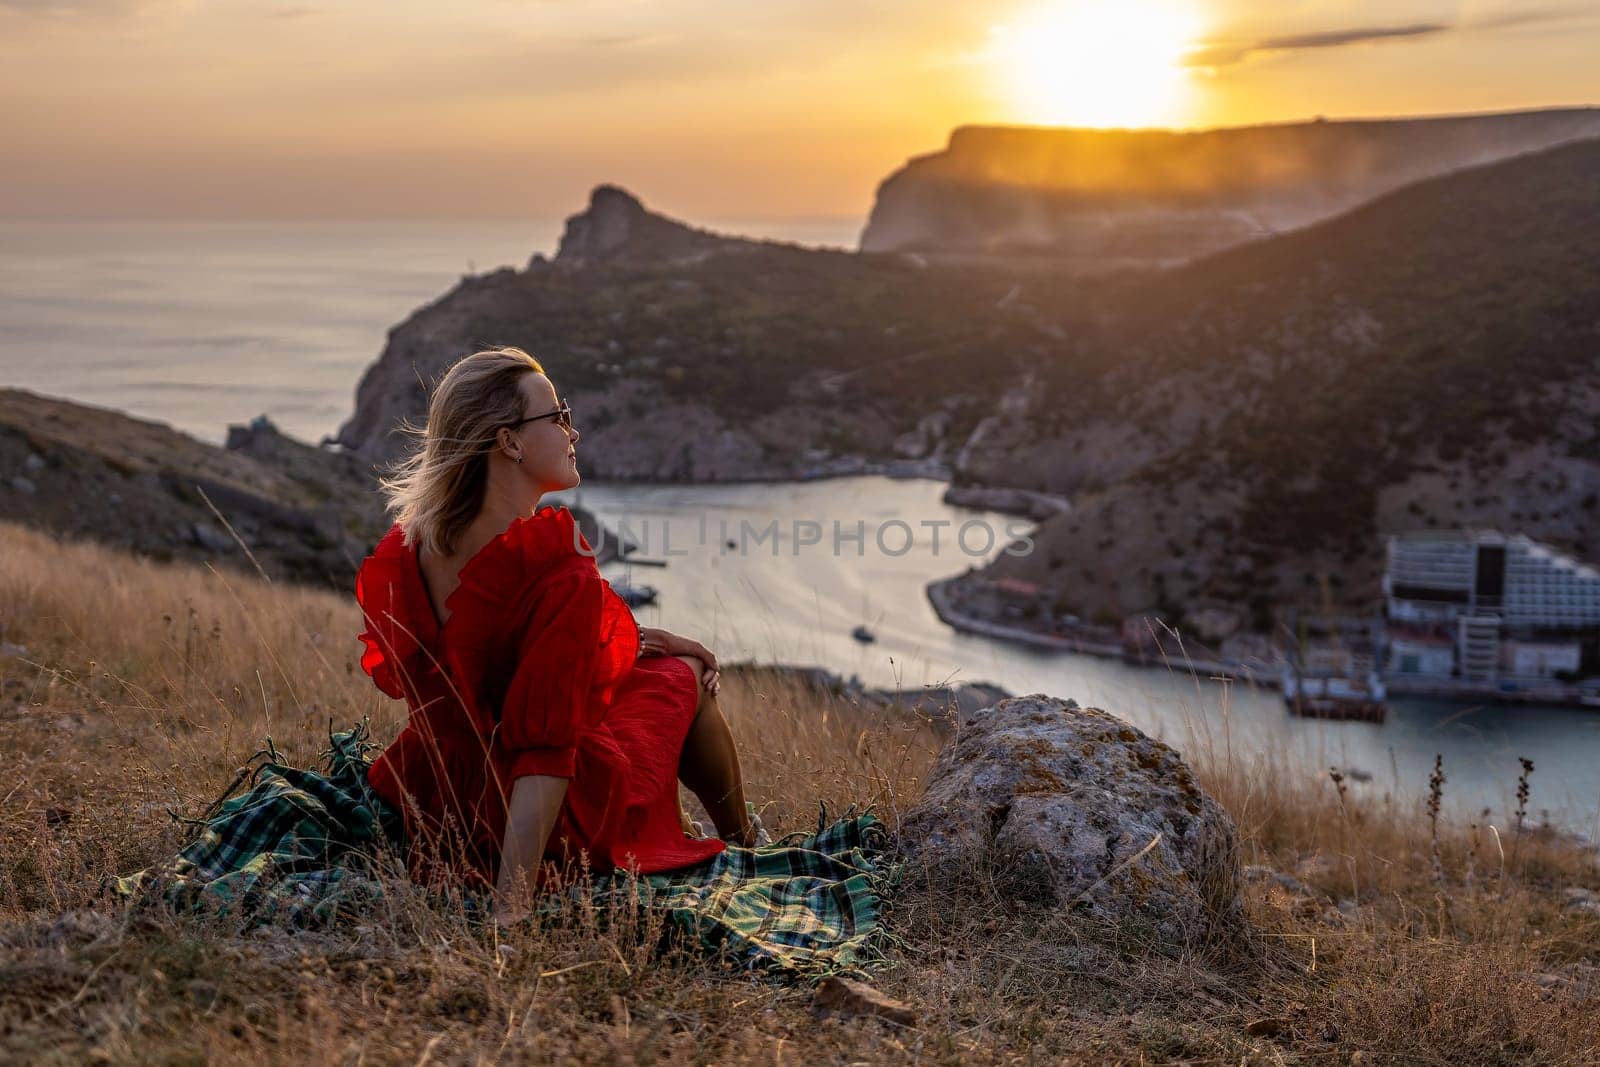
<point x="1235" y="428"/>
<point x="1102" y="199"/>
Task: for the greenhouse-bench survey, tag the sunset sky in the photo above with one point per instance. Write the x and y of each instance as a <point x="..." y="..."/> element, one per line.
<point x="707" y="109"/>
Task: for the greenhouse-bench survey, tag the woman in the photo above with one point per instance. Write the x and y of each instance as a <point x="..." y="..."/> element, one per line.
<point x="544" y="722"/>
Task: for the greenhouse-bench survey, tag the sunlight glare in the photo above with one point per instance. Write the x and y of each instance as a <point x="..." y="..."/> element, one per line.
<point x="1098" y="62"/>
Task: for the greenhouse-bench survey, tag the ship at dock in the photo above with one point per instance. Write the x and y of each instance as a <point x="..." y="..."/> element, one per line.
<point x="1332" y="669"/>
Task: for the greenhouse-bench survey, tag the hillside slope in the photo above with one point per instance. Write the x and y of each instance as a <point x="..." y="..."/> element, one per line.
<point x="85" y="472"/>
<point x="1234" y="428"/>
<point x="306" y="514"/>
<point x="1372" y="936"/>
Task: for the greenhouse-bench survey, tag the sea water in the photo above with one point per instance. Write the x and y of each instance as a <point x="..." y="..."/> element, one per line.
<point x="205" y="324"/>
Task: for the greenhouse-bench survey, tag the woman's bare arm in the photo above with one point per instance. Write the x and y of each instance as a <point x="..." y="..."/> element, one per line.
<point x="530" y="818"/>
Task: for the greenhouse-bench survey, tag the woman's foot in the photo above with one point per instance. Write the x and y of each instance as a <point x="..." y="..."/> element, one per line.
<point x="753" y="834"/>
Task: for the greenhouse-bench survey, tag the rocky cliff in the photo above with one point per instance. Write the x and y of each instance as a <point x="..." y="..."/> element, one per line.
<point x="617" y="229"/>
<point x="1116" y="198"/>
<point x="690" y="356"/>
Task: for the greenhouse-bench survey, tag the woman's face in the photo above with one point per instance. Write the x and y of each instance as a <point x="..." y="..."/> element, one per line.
<point x="549" y="461"/>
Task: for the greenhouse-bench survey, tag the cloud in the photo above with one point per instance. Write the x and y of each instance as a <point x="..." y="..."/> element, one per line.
<point x="1227" y="53"/>
<point x="65" y="7"/>
<point x="1340" y="38"/>
<point x="1530" y="16"/>
<point x="622" y="40"/>
<point x="88" y="8"/>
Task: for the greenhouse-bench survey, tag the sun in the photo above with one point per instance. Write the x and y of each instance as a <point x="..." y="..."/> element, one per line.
<point x="1097" y="62"/>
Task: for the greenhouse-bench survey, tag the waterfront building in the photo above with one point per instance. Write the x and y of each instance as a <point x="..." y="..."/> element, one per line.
<point x="1420" y="652"/>
<point x="1540" y="659"/>
<point x="1509" y="606"/>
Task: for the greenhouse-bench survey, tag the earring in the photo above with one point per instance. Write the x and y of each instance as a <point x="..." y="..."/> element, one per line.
<point x="519" y="458"/>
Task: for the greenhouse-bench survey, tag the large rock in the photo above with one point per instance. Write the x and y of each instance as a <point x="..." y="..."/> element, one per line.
<point x="1073" y="807"/>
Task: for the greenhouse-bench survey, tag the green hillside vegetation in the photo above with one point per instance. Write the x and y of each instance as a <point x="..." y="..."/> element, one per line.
<point x="862" y="341"/>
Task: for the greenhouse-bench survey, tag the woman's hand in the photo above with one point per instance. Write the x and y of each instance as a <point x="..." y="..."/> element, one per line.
<point x="665" y="643"/>
<point x="530" y="817"/>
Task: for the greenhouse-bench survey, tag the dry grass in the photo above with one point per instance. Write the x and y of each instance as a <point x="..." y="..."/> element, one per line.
<point x="144" y="686"/>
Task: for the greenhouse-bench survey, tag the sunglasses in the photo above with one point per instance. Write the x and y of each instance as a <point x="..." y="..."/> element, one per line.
<point x="562" y="415"/>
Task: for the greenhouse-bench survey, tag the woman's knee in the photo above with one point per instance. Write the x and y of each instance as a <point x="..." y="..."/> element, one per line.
<point x="698" y="668"/>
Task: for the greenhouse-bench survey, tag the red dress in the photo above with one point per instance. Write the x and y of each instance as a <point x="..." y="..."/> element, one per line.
<point x="534" y="672"/>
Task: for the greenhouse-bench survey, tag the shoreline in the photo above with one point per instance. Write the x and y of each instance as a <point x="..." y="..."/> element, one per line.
<point x="957" y="619"/>
<point x="1446" y="689"/>
<point x="1568" y="697"/>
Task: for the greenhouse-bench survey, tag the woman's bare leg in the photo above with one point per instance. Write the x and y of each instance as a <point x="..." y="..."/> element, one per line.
<point x="709" y="766"/>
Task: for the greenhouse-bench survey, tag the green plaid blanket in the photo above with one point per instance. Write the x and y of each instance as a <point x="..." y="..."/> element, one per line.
<point x="808" y="904"/>
<point x="306" y="847"/>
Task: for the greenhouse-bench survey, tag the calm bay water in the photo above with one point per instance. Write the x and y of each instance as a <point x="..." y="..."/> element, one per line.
<point x="202" y="325"/>
<point x="205" y="324"/>
<point x="799" y="606"/>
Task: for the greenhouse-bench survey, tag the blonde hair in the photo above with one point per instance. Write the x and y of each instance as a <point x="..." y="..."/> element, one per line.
<point x="436" y="492"/>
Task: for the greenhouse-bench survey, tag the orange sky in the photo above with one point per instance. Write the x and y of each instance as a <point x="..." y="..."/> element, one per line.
<point x="706" y="109"/>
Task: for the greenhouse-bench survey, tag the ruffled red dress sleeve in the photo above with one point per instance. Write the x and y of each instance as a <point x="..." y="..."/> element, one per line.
<point x="397" y="627"/>
<point x="547" y="704"/>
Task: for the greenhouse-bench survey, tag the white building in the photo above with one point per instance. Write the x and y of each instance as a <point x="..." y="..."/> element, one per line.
<point x="1441" y="576"/>
<point x="1539" y="659"/>
<point x="1480" y="587"/>
<point x="1421" y="653"/>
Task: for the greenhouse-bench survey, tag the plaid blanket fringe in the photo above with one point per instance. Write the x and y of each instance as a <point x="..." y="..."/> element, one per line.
<point x="297" y="846"/>
<point x="308" y="847"/>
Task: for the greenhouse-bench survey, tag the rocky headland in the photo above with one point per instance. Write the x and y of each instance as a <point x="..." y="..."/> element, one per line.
<point x="696" y="357"/>
<point x="1108" y="199"/>
<point x="1240" y="434"/>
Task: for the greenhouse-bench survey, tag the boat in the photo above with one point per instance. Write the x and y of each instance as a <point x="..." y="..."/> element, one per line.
<point x="864" y="635"/>
<point x="1332" y="669"/>
<point x="635" y="595"/>
<point x="1335" y="696"/>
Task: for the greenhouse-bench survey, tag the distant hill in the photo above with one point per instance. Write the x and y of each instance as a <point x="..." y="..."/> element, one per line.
<point x="1101" y="199"/>
<point x="92" y="473"/>
<point x="1231" y="430"/>
<point x="305" y="514"/>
